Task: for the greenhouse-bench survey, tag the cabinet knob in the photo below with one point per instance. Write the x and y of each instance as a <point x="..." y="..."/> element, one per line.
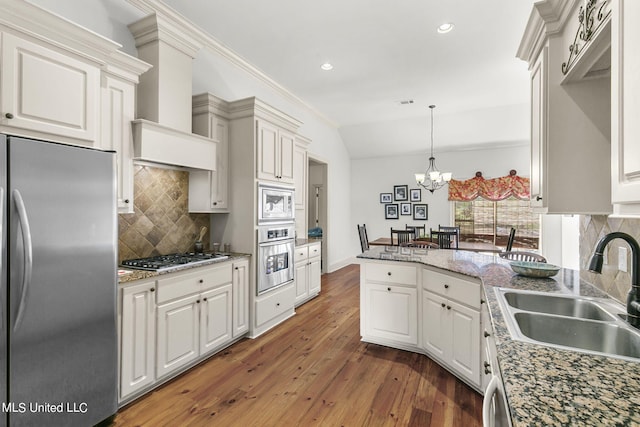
<point x="200" y="281"/>
<point x="236" y="268"/>
<point x="204" y="299"/>
<point x="388" y="273"/>
<point x="389" y="289"/>
<point x="487" y="364"/>
<point x="152" y="289"/>
<point x="197" y="301"/>
<point x="126" y="201"/>
<point x="9" y="116"/>
<point x="482" y="301"/>
<point x="443" y="305"/>
<point x="277" y="304"/>
<point x="446" y="286"/>
<point x="487" y="370"/>
<point x="486" y="334"/>
<point x="538" y="198"/>
<point x="215" y="203"/>
<point x="448" y="307"/>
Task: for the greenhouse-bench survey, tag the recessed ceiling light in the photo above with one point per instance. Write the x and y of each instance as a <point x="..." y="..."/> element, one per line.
<point x="326" y="66"/>
<point x="445" y="28"/>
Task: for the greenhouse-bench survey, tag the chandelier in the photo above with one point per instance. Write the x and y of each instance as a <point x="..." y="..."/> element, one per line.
<point x="432" y="179"/>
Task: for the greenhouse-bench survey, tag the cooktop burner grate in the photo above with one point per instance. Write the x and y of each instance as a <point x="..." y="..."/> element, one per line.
<point x="171" y="261"/>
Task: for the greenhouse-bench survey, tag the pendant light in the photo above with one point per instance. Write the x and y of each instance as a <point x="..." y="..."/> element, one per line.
<point x="432" y="179"/>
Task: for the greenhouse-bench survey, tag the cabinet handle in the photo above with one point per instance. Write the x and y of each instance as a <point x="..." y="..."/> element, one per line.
<point x="9" y="116"/>
<point x="487" y="370"/>
<point x="486" y="334"/>
<point x="482" y="301"/>
<point x="538" y="198"/>
<point x="486" y="364"/>
<point x="152" y="289"/>
<point x="446" y="286"/>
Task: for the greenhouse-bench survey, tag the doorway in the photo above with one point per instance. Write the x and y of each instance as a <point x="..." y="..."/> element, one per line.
<point x="317" y="210"/>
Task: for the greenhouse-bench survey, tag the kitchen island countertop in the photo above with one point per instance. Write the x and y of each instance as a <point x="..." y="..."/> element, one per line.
<point x="544" y="385"/>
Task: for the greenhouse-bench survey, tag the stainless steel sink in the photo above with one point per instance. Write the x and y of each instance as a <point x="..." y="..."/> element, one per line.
<point x="590" y="325"/>
<point x="563" y="306"/>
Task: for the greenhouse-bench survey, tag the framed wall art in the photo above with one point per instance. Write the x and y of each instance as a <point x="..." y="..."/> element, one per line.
<point x="420" y="212"/>
<point x="386" y="197"/>
<point x="391" y="211"/>
<point x="405" y="208"/>
<point x="401" y="193"/>
<point x="416" y="195"/>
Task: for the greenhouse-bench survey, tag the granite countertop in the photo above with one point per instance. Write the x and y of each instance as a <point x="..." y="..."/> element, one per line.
<point x="544" y="385"/>
<point x="145" y="274"/>
<point x="302" y="242"/>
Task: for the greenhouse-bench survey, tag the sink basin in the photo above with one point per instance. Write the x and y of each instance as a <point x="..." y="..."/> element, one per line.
<point x="585" y="324"/>
<point x="563" y="306"/>
<point x="599" y="337"/>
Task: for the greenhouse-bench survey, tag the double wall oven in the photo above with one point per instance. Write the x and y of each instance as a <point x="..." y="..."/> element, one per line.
<point x="276" y="236"/>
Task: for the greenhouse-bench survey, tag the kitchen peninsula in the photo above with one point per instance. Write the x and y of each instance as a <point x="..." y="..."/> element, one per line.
<point x="542" y="385"/>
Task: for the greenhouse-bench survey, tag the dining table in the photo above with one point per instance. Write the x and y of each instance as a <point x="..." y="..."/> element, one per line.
<point x="463" y="245"/>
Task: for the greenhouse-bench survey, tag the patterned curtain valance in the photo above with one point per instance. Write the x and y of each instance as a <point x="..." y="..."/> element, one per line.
<point x="491" y="189"/>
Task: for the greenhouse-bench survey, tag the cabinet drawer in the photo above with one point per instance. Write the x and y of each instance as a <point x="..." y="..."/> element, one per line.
<point x="315" y="250"/>
<point x="390" y="273"/>
<point x="301" y="253"/>
<point x="281" y="301"/>
<point x="452" y="287"/>
<point x="196" y="280"/>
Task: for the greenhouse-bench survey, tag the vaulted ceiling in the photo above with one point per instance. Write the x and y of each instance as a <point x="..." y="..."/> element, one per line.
<point x="384" y="53"/>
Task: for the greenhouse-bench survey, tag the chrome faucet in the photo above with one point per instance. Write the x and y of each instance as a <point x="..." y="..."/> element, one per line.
<point x="633" y="298"/>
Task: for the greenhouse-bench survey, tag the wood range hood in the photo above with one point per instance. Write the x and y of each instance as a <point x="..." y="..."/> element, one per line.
<point x="162" y="133"/>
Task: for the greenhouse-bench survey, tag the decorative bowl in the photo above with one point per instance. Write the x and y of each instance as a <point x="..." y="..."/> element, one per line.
<point x="534" y="269"/>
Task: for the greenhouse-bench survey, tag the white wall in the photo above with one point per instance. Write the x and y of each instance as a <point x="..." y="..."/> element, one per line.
<point x="212" y="73"/>
<point x="370" y="177"/>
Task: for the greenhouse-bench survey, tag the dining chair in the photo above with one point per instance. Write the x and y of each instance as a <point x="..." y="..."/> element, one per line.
<point x="522" y="256"/>
<point x="418" y="230"/>
<point x="447" y="239"/>
<point x="401" y="236"/>
<point x="512" y="236"/>
<point x="364" y="241"/>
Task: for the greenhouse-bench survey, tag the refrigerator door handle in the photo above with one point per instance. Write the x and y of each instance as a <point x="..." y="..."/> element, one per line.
<point x="28" y="256"/>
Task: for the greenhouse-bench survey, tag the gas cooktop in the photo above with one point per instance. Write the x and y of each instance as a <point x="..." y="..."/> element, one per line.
<point x="171" y="261"/>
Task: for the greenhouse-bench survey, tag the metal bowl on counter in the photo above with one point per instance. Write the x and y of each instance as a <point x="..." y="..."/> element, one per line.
<point x="534" y="269"/>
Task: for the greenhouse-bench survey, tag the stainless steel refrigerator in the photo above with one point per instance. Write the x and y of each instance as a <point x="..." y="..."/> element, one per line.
<point x="58" y="359"/>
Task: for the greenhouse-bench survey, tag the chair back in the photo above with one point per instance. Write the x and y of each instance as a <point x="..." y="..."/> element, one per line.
<point x="364" y="241"/>
<point x="401" y="236"/>
<point x="523" y="256"/>
<point x="418" y="230"/>
<point x="447" y="239"/>
<point x="512" y="236"/>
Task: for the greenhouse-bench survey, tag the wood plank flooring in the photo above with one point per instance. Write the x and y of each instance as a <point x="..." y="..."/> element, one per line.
<point x="313" y="370"/>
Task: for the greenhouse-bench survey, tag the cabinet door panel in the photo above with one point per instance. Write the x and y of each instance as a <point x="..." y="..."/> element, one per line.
<point x="392" y="313"/>
<point x="268" y="167"/>
<point x="240" y="297"/>
<point x="215" y="318"/>
<point x="435" y="334"/>
<point x="465" y="344"/>
<point x="315" y="276"/>
<point x="47" y="91"/>
<point x="137" y="363"/>
<point x="538" y="129"/>
<point x="302" y="283"/>
<point x="178" y="325"/>
<point x="286" y="156"/>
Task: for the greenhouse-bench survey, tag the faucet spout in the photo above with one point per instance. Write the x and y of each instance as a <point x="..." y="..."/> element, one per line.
<point x="595" y="265"/>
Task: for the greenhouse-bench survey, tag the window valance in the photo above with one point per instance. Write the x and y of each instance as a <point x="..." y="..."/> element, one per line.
<point x="491" y="189"/>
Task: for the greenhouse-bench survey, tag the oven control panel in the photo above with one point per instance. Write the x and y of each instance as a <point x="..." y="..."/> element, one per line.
<point x="273" y="232"/>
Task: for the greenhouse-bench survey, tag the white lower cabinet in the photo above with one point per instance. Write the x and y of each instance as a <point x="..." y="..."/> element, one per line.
<point x="307" y="272"/>
<point x="440" y="317"/>
<point x="169" y="323"/>
<point x="137" y="340"/>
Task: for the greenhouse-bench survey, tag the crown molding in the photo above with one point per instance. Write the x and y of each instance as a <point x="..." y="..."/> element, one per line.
<point x="249" y="107"/>
<point x="215" y="46"/>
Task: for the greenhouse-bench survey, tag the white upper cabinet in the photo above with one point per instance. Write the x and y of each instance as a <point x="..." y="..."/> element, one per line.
<point x="570" y="110"/>
<point x="625" y="107"/>
<point x="275" y="153"/>
<point x="48" y="92"/>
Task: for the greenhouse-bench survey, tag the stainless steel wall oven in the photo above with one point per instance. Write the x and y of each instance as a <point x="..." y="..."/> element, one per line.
<point x="275" y="256"/>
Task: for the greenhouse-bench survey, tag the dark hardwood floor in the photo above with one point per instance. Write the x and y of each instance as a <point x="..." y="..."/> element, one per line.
<point x="312" y="370"/>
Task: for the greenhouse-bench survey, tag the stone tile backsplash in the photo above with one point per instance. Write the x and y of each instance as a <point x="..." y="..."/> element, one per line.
<point x="161" y="223"/>
<point x="592" y="227"/>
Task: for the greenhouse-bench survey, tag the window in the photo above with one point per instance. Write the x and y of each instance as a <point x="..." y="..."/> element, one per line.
<point x="484" y="220"/>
